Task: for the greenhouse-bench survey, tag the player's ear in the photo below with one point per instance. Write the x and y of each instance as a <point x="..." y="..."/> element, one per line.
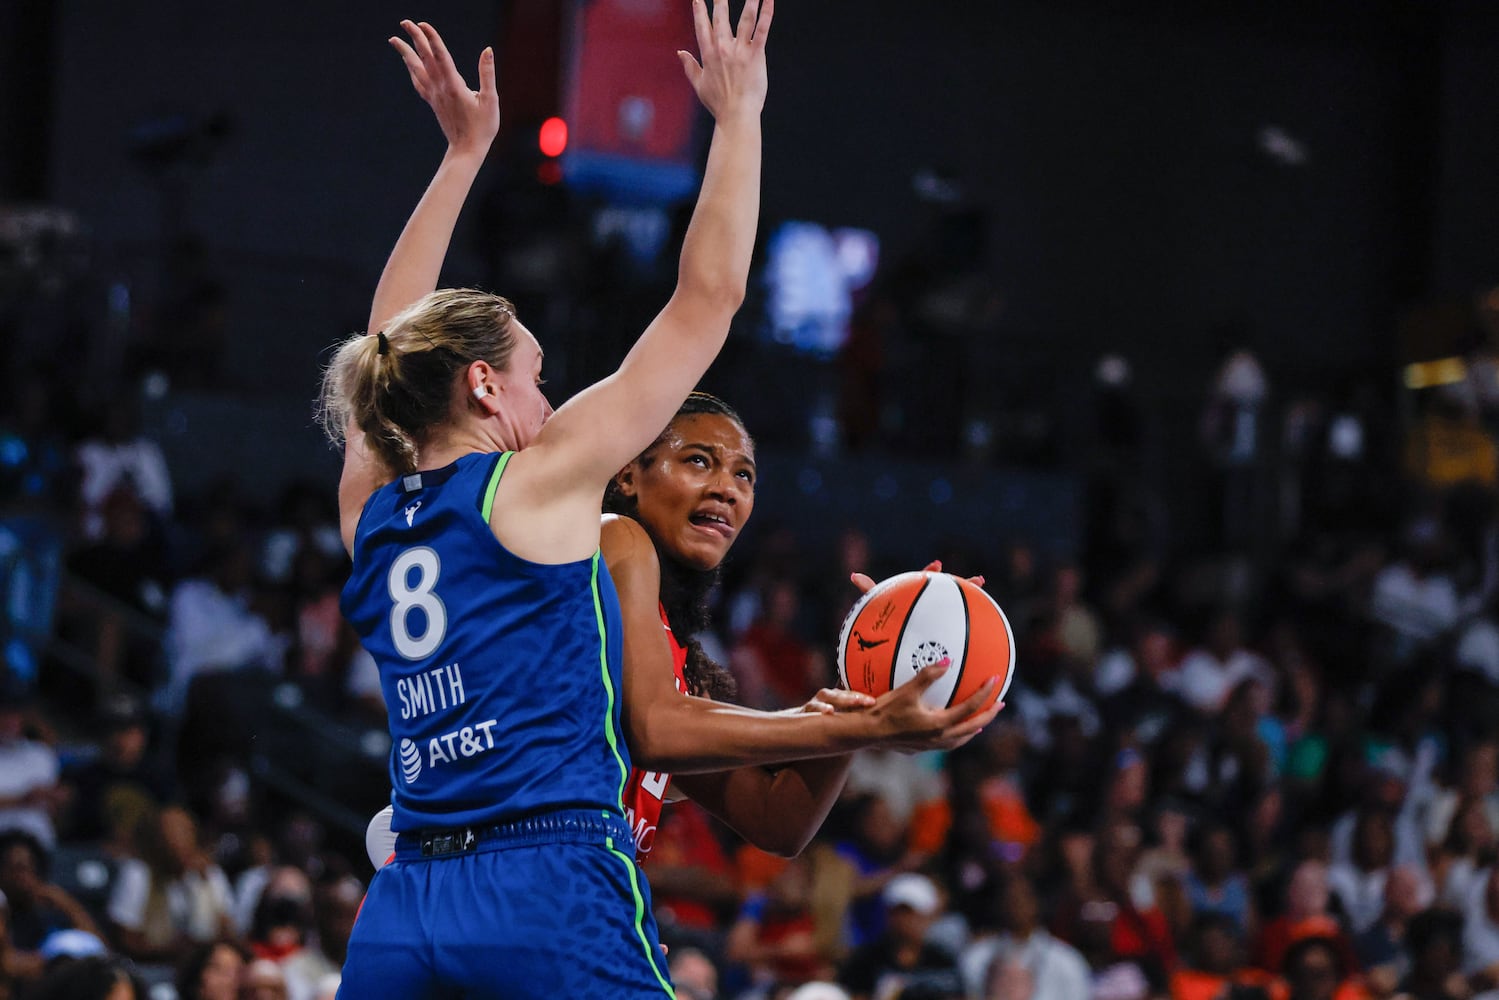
<point x="484" y="386"/>
<point x="624" y="480"/>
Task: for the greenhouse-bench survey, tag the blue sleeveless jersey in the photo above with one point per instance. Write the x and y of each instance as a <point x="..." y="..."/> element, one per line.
<point x="501" y="676"/>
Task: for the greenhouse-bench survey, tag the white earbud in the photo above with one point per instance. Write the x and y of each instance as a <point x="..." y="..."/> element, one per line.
<point x="480" y="392"/>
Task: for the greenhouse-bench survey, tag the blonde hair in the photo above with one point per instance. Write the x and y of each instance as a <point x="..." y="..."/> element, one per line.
<point x="398" y="385"/>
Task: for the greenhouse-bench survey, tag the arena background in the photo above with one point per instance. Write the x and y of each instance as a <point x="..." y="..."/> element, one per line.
<point x="1081" y="209"/>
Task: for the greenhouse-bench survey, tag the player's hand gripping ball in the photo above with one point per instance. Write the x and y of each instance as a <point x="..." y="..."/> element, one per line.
<point x="913" y="620"/>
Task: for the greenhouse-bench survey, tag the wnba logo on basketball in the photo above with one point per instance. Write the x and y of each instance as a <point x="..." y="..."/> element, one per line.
<point x="411" y="761"/>
<point x="927" y="654"/>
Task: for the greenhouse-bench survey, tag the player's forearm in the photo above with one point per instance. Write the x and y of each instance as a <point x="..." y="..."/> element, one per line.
<point x="777" y="812"/>
<point x="715" y="262"/>
<point x="694" y="735"/>
<point x="416" y="262"/>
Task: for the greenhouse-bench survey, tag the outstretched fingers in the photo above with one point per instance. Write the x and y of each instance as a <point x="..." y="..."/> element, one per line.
<point x="439" y="50"/>
<point x="746" y="30"/>
<point x="721" y="30"/>
<point x="419" y="42"/>
<point x="414" y="67"/>
<point x="969" y="716"/>
<point x="762" y="23"/>
<point x="703" y="27"/>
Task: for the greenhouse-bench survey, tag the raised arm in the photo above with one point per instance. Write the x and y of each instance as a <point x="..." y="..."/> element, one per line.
<point x="604" y="427"/>
<point x="470" y="120"/>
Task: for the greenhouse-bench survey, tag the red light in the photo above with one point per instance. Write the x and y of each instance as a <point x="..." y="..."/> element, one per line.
<point x="553" y="137"/>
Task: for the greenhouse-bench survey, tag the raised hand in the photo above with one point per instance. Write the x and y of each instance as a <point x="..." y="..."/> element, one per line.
<point x="731" y="78"/>
<point x="470" y="119"/>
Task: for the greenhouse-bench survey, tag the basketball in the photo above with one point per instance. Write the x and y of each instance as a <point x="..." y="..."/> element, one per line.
<point x="914" y="620"/>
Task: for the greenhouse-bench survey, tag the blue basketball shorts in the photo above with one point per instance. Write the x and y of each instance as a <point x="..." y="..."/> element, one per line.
<point x="550" y="906"/>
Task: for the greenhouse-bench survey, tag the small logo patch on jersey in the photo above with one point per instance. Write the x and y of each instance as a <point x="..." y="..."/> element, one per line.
<point x="411" y="512"/>
<point x="411" y="761"/>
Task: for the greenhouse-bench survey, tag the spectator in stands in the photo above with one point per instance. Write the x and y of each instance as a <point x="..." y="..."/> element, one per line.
<point x="212" y="971"/>
<point x="876" y="850"/>
<point x="1057" y="970"/>
<point x="212" y="627"/>
<point x="1306" y="915"/>
<point x="120" y="453"/>
<point x="902" y="954"/>
<point x="1140" y="704"/>
<point x="98" y="977"/>
<point x="1415" y="597"/>
<point x="1216" y="966"/>
<point x="774" y="934"/>
<point x="1359" y="883"/>
<point x="1216" y="885"/>
<point x="1138" y="929"/>
<point x="38" y="909"/>
<point x="171" y="896"/>
<point x="1212" y="670"/>
<point x="283" y="917"/>
<point x="1435" y="940"/>
<point x="1381" y="949"/>
<point x="263" y="980"/>
<point x="693" y="974"/>
<point x="1114" y="977"/>
<point x="112" y="792"/>
<point x="30" y="795"/>
<point x="692" y="879"/>
<point x="128" y="564"/>
<point x="306" y="520"/>
<point x="335" y="904"/>
<point x="1480" y="934"/>
<point x="1078" y="630"/>
<point x="1469" y="849"/>
<point x="1477" y="782"/>
<point x="1314" y="970"/>
<point x="772" y="651"/>
<point x="1008" y="979"/>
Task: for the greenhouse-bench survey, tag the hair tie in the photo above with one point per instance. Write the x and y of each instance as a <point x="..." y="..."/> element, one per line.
<point x="384" y="347"/>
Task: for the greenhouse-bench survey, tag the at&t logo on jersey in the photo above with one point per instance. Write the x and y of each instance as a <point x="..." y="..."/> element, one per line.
<point x="411" y="761"/>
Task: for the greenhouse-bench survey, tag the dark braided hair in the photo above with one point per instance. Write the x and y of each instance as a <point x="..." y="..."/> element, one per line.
<point x="684" y="589"/>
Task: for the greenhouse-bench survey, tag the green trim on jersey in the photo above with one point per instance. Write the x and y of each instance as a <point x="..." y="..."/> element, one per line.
<point x="486" y="506"/>
<point x="609" y="734"/>
<point x="650" y="954"/>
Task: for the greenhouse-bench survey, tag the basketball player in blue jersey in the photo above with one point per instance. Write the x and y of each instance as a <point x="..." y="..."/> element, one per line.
<point x="683" y="502"/>
<point x="472" y="514"/>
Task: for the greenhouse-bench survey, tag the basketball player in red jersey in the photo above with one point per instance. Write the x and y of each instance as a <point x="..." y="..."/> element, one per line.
<point x="689" y="494"/>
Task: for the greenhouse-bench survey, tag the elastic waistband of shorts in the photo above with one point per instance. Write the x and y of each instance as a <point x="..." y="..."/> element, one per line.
<point x="562" y="826"/>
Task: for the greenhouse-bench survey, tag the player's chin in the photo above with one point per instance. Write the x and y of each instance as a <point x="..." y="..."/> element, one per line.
<point x="703" y="551"/>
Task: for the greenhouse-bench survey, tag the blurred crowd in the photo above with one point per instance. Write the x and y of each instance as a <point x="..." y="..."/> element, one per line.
<point x="1251" y="754"/>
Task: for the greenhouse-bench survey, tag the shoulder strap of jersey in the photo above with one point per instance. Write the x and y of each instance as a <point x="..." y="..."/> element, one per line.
<point x="492" y="483"/>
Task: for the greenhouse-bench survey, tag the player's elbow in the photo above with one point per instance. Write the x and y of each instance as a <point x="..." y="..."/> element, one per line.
<point x="711" y="291"/>
<point x="654" y="745"/>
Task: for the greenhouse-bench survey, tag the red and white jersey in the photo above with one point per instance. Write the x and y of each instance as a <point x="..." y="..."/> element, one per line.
<point x="645" y="792"/>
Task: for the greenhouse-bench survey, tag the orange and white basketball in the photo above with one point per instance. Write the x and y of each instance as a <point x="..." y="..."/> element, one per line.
<point x="913" y="620"/>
